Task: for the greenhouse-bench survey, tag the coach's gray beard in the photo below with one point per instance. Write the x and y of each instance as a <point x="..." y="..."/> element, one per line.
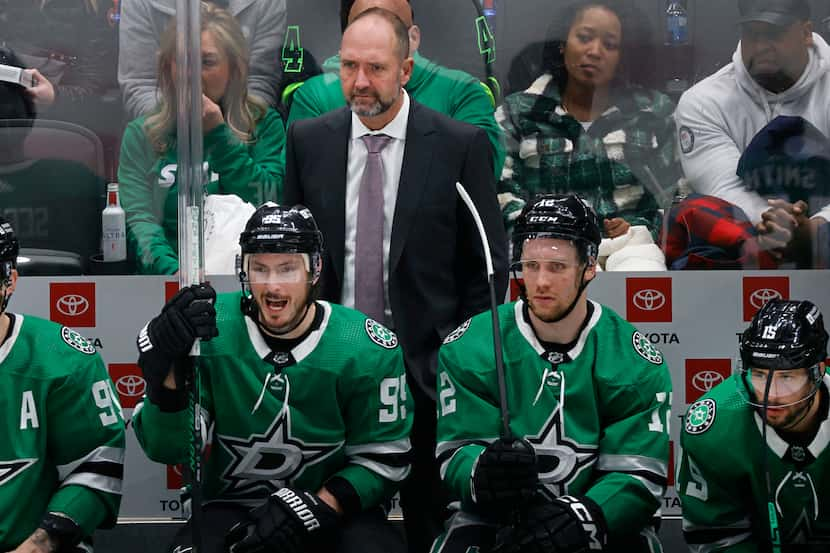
<point x="377" y="108"/>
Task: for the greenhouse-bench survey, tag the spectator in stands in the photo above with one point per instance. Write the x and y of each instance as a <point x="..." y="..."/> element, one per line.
<point x="69" y="46"/>
<point x="143" y="21"/>
<point x="243" y="142"/>
<point x="589" y="126"/>
<point x="451" y="92"/>
<point x="44" y="199"/>
<point x="780" y="68"/>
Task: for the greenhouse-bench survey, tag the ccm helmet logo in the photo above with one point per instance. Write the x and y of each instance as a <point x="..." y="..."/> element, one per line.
<point x="706" y="380"/>
<point x="649" y="299"/>
<point x="760" y="297"/>
<point x="72" y="305"/>
<point x="131" y="385"/>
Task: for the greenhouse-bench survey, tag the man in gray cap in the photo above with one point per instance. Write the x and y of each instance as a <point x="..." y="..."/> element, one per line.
<point x="781" y="67"/>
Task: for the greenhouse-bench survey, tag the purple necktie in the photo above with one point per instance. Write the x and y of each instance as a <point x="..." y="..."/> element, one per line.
<point x="368" y="263"/>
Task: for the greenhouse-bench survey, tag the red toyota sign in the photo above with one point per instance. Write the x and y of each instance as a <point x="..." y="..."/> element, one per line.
<point x="704" y="374"/>
<point x="648" y="300"/>
<point x="759" y="290"/>
<point x="72" y="303"/>
<point x="170" y="289"/>
<point x="129" y="383"/>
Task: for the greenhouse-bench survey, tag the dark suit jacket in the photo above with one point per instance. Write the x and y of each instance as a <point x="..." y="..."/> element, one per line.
<point x="437" y="276"/>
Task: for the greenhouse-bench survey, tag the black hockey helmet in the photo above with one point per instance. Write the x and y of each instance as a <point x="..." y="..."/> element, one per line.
<point x="558" y="216"/>
<point x="785" y="334"/>
<point x="274" y="228"/>
<point x="9" y="249"/>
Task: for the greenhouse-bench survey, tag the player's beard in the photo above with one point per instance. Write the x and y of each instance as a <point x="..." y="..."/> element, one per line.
<point x="301" y="310"/>
<point x="377" y="107"/>
<point x="554" y="314"/>
<point x="794" y="416"/>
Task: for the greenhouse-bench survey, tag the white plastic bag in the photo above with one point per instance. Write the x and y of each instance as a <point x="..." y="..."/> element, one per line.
<point x="225" y="218"/>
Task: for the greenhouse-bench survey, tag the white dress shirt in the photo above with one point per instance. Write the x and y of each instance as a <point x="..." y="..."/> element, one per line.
<point x="392" y="157"/>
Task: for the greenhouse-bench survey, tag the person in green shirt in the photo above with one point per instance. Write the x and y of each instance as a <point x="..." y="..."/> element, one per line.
<point x="452" y="92"/>
<point x="243" y="143"/>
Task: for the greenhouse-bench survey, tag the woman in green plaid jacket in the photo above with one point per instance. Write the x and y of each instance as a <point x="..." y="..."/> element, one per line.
<point x="589" y="126"/>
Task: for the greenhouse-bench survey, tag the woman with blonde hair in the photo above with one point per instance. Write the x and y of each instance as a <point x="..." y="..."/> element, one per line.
<point x="243" y="142"/>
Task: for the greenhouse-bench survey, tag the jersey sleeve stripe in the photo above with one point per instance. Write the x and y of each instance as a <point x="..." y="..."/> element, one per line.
<point x="94" y="481"/>
<point x="394" y="447"/>
<point x="101" y="454"/>
<point x="395" y="474"/>
<point x="632" y="463"/>
<point x="716" y="545"/>
<point x="445" y="451"/>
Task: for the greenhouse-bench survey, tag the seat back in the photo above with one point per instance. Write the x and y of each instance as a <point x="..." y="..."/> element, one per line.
<point x="54" y="197"/>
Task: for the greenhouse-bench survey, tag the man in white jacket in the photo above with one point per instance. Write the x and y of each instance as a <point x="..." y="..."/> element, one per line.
<point x="779" y="68"/>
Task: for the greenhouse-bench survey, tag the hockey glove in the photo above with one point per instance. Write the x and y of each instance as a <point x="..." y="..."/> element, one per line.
<point x="64" y="533"/>
<point x="290" y="521"/>
<point x="566" y="524"/>
<point x="168" y="337"/>
<point x="505" y="476"/>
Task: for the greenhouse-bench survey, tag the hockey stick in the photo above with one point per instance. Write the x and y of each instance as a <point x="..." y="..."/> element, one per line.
<point x="488" y="260"/>
<point x="775" y="535"/>
<point x="191" y="202"/>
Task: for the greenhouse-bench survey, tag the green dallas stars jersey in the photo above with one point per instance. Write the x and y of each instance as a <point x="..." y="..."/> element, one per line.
<point x="721" y="481"/>
<point x="597" y="416"/>
<point x="341" y="409"/>
<point x="61" y="432"/>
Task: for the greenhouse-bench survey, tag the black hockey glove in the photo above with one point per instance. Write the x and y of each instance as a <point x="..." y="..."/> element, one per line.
<point x="63" y="532"/>
<point x="566" y="524"/>
<point x="168" y="338"/>
<point x="290" y="521"/>
<point x="505" y="476"/>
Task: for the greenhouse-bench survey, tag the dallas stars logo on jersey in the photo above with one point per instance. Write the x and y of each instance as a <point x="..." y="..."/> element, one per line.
<point x="270" y="460"/>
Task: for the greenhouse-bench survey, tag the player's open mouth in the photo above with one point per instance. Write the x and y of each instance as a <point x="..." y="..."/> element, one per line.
<point x="275" y="304"/>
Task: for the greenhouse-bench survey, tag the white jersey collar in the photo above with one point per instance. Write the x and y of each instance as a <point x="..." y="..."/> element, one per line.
<point x="9" y="344"/>
<point x="530" y="336"/>
<point x="301" y="350"/>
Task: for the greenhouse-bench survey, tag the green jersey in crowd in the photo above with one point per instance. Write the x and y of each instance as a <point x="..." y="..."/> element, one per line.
<point x="454" y="93"/>
<point x="333" y="408"/>
<point x="62" y="438"/>
<point x="596" y="413"/>
<point x="722" y="484"/>
<point x="253" y="171"/>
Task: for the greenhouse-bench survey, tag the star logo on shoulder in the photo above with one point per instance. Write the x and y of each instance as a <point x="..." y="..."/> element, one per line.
<point x="560" y="459"/>
<point x="266" y="462"/>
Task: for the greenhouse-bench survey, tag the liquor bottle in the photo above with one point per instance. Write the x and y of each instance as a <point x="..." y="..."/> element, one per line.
<point x="113" y="227"/>
<point x="677" y="23"/>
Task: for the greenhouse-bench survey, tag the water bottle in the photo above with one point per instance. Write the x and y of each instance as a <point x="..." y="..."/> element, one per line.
<point x="113" y="227"/>
<point x="677" y="23"/>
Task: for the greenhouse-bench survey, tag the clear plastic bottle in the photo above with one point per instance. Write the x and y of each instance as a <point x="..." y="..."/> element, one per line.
<point x="113" y="227"/>
<point x="677" y="23"/>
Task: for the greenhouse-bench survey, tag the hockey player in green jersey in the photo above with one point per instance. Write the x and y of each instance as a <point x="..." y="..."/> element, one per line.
<point x="62" y="437"/>
<point x="737" y="473"/>
<point x="588" y="399"/>
<point x="305" y="402"/>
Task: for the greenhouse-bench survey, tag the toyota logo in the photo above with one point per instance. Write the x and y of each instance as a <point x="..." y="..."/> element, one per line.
<point x="131" y="385"/>
<point x="649" y="299"/>
<point x="706" y="380"/>
<point x="760" y="297"/>
<point x="72" y="305"/>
